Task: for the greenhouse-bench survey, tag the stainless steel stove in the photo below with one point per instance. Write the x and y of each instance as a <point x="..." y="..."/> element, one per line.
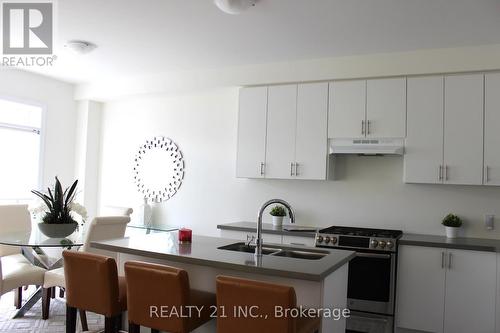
<point x="372" y="275"/>
<point x="358" y="238"/>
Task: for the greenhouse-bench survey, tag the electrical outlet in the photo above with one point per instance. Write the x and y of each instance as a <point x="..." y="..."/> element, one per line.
<point x="489" y="222"/>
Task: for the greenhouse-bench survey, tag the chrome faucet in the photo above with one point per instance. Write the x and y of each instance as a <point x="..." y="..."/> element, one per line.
<point x="258" y="240"/>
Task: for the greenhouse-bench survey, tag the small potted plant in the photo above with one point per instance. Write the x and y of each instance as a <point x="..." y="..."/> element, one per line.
<point x="452" y="224"/>
<point x="57" y="209"/>
<point x="278" y="212"/>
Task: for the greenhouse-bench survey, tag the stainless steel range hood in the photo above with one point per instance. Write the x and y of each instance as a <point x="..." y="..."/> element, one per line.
<point x="367" y="146"/>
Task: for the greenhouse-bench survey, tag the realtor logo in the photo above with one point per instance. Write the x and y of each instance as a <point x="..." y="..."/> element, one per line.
<point x="27" y="28"/>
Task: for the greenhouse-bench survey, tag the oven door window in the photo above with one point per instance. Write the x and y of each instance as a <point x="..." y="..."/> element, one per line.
<point x="369" y="278"/>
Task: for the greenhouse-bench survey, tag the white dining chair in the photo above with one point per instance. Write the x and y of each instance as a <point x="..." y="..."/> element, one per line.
<point x="101" y="228"/>
<point x="14" y="218"/>
<point x="14" y="274"/>
<point x="117" y="211"/>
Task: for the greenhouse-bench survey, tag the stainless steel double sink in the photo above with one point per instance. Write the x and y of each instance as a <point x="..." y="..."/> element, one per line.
<point x="278" y="251"/>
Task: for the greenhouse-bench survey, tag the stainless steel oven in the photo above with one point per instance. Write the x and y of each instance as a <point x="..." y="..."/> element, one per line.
<point x="372" y="282"/>
<point x="372" y="275"/>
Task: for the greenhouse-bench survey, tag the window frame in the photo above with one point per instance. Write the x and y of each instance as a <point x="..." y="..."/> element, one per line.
<point x="41" y="132"/>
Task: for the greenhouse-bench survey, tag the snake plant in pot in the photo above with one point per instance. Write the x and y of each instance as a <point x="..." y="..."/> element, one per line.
<point x="57" y="210"/>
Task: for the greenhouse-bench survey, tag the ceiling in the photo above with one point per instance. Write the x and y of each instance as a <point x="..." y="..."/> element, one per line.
<point x="150" y="37"/>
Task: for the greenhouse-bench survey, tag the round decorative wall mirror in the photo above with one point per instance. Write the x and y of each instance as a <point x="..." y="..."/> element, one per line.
<point x="158" y="169"/>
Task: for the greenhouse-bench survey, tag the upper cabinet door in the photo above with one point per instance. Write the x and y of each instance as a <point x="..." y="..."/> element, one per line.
<point x="251" y="153"/>
<point x="347" y="111"/>
<point x="491" y="132"/>
<point x="386" y="108"/>
<point x="423" y="159"/>
<point x="463" y="129"/>
<point x="311" y="137"/>
<point x="281" y="121"/>
<point x="471" y="280"/>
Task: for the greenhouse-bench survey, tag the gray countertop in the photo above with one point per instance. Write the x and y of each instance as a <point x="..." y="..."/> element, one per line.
<point x="462" y="243"/>
<point x="204" y="251"/>
<point x="270" y="229"/>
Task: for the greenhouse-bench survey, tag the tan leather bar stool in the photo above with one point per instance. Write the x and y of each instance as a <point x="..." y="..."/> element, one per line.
<point x="92" y="284"/>
<point x="151" y="286"/>
<point x="236" y="296"/>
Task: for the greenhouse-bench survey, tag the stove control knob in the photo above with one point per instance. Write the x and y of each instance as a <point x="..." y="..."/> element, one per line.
<point x="382" y="244"/>
<point x="390" y="244"/>
<point x="334" y="240"/>
<point x="374" y="243"/>
<point x="319" y="239"/>
<point x="327" y="239"/>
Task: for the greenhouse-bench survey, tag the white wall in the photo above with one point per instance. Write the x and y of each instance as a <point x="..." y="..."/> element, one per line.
<point x="370" y="192"/>
<point x="87" y="146"/>
<point x="448" y="60"/>
<point x="60" y="119"/>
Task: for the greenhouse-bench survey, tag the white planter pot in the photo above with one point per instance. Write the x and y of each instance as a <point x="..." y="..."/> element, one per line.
<point x="277" y="221"/>
<point x="451" y="232"/>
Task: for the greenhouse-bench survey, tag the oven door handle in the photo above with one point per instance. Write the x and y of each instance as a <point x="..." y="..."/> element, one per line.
<point x="373" y="255"/>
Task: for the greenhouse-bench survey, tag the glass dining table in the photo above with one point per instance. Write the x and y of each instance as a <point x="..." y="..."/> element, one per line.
<point x="41" y="251"/>
<point x="46" y="252"/>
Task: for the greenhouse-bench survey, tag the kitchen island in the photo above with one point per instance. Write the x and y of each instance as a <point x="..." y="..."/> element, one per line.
<point x="319" y="281"/>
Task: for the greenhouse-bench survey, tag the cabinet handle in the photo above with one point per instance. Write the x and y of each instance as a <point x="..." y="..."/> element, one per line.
<point x="442" y="260"/>
<point x="262" y="168"/>
<point x="440" y="172"/>
<point x="368" y="123"/>
<point x="449" y="260"/>
<point x="291" y="169"/>
<point x="362" y="127"/>
<point x="487" y="174"/>
<point x="296" y="169"/>
<point x="446" y="172"/>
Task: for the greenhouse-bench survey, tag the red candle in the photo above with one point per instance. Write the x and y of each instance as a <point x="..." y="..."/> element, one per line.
<point x="185" y="235"/>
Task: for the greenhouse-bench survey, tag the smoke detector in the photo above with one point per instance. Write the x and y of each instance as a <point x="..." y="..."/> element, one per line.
<point x="79" y="46"/>
<point x="234" y="6"/>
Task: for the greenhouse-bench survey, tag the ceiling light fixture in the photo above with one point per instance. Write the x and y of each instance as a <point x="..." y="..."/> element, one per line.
<point x="234" y="6"/>
<point x="80" y="46"/>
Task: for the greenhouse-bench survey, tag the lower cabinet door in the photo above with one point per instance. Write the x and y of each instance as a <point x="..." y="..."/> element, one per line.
<point x="420" y="288"/>
<point x="470" y="292"/>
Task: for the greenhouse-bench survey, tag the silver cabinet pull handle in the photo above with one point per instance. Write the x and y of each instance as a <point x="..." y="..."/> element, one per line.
<point x="262" y="168"/>
<point x="446" y="172"/>
<point x="442" y="260"/>
<point x="368" y="123"/>
<point x="449" y="260"/>
<point x="362" y="127"/>
<point x="296" y="169"/>
<point x="487" y="174"/>
<point x="291" y="169"/>
<point x="440" y="172"/>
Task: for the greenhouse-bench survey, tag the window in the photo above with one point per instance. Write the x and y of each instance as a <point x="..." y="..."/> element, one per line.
<point x="20" y="126"/>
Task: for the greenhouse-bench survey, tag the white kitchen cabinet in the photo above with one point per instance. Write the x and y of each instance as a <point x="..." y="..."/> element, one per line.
<point x="245" y="235"/>
<point x="446" y="290"/>
<point x="347" y="111"/>
<point x="298" y="240"/>
<point x="311" y="142"/>
<point x="463" y="129"/>
<point x="252" y="120"/>
<point x="420" y="288"/>
<point x="281" y="123"/>
<point x="491" y="129"/>
<point x="386" y="108"/>
<point x="368" y="108"/>
<point x="423" y="159"/>
<point x="470" y="292"/>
